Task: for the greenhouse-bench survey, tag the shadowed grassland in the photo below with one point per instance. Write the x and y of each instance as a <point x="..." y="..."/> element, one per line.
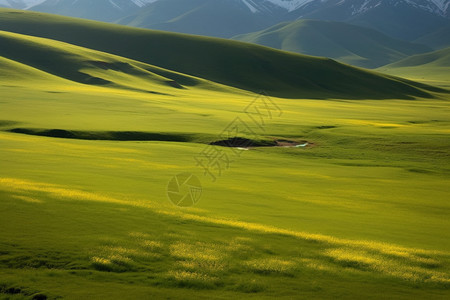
<point x="239" y="65"/>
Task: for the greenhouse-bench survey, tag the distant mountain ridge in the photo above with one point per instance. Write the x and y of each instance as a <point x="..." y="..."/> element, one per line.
<point x="432" y="68"/>
<point x="440" y="7"/>
<point x="19" y="4"/>
<point x="355" y="45"/>
<point x="402" y="19"/>
<point x="234" y="64"/>
<point x="100" y="10"/>
<point x="437" y="39"/>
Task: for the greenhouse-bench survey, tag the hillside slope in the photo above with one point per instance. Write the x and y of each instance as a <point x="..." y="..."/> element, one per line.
<point x="439" y="58"/>
<point x="438" y="39"/>
<point x="347" y="43"/>
<point x="24" y="54"/>
<point x="240" y="65"/>
<point x="431" y="68"/>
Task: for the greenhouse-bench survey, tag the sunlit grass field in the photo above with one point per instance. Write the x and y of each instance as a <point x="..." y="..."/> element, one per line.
<point x="362" y="213"/>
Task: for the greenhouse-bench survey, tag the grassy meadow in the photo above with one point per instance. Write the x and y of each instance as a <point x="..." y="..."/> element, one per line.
<point x="429" y="68"/>
<point x="360" y="212"/>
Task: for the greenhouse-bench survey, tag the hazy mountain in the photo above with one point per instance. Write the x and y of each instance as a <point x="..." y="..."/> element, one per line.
<point x="439" y="58"/>
<point x="404" y="19"/>
<point x="235" y="64"/>
<point x="358" y="7"/>
<point x="220" y="18"/>
<point x="432" y="68"/>
<point x="437" y="39"/>
<point x="19" y="4"/>
<point x="347" y="43"/>
<point x="101" y="10"/>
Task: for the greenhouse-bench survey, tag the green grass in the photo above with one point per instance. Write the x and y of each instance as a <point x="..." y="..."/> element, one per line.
<point x="87" y="66"/>
<point x="430" y="68"/>
<point x="240" y="65"/>
<point x="362" y="212"/>
<point x="346" y="43"/>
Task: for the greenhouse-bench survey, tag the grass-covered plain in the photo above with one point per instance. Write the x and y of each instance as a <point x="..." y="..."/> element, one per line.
<point x="362" y="212"/>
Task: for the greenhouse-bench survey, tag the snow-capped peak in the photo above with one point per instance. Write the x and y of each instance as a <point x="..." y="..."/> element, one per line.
<point x="291" y="5"/>
<point x="441" y="4"/>
<point x="142" y="3"/>
<point x="440" y="7"/>
<point x="21" y="4"/>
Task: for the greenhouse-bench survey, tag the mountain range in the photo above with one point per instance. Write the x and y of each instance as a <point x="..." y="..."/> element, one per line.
<point x="347" y="43"/>
<point x="403" y="19"/>
<point x="432" y="67"/>
<point x="90" y="52"/>
<point x="19" y="4"/>
<point x="369" y="33"/>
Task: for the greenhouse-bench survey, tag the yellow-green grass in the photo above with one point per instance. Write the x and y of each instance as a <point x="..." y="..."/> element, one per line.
<point x="364" y="213"/>
<point x="36" y="59"/>
<point x="430" y="68"/>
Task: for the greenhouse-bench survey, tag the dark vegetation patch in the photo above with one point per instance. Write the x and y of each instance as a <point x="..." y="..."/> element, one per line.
<point x="421" y="171"/>
<point x="106" y="135"/>
<point x="87" y="79"/>
<point x="11" y="290"/>
<point x="115" y="266"/>
<point x="326" y="127"/>
<point x="7" y="123"/>
<point x="234" y="142"/>
<point x="240" y="142"/>
<point x="152" y="136"/>
<point x="424" y="121"/>
<point x="252" y="286"/>
<point x="175" y="84"/>
<point x="116" y="66"/>
<point x="41" y="260"/>
<point x="243" y="143"/>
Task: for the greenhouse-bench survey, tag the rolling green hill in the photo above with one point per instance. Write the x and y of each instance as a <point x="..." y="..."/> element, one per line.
<point x="86" y="66"/>
<point x="240" y="65"/>
<point x="432" y="67"/>
<point x="438" y="59"/>
<point x="438" y="39"/>
<point x="347" y="43"/>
